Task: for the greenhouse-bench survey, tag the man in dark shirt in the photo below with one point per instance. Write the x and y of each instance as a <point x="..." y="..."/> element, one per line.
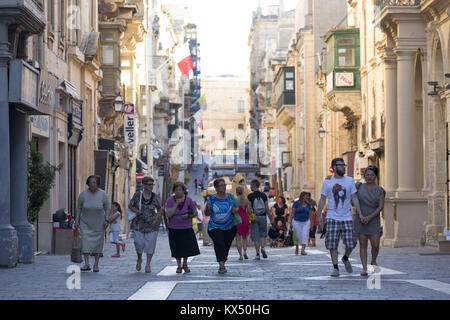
<point x="258" y="227"/>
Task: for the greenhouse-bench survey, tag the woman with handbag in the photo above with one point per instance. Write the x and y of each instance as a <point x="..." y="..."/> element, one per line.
<point x="146" y="216"/>
<point x="93" y="206"/>
<point x="180" y="209"/>
<point x="222" y="209"/>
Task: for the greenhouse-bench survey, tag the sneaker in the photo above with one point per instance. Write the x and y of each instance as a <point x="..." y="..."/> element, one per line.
<point x="335" y="273"/>
<point x="348" y="266"/>
<point x="257" y="257"/>
<point x="264" y="253"/>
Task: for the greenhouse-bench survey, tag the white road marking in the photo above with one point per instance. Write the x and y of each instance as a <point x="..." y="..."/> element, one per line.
<point x="157" y="290"/>
<point x="432" y="284"/>
<point x="161" y="290"/>
<point x="384" y="271"/>
<point x="189" y="259"/>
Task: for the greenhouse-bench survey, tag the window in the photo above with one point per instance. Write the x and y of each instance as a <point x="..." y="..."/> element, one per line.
<point x="346" y="42"/>
<point x="346" y="57"/>
<point x="108" y="37"/>
<point x="51" y="15"/>
<point x="289" y="84"/>
<point x="62" y="22"/>
<point x="241" y="126"/>
<point x="108" y="54"/>
<point x="241" y="106"/>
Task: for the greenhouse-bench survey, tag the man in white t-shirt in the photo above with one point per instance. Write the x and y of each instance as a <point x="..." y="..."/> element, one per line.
<point x="340" y="190"/>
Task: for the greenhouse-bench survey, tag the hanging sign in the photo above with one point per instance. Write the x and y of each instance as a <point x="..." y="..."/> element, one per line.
<point x="129" y="124"/>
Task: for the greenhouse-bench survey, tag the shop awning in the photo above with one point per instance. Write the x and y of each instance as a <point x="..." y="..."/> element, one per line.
<point x="68" y="88"/>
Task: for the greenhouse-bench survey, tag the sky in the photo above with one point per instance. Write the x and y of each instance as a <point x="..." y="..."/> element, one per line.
<point x="223" y="28"/>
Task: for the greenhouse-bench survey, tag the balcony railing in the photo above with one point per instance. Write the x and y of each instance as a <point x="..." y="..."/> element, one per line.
<point x="398" y="3"/>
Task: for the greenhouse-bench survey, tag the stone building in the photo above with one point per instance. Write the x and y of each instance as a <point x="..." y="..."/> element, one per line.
<point x="225" y="121"/>
<point x="400" y="122"/>
<point x="300" y="106"/>
<point x="55" y="52"/>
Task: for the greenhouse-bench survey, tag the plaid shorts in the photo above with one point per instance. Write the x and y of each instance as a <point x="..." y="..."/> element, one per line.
<point x="334" y="231"/>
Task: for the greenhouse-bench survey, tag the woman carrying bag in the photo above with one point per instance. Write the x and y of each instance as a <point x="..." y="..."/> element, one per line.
<point x="145" y="211"/>
<point x="223" y="211"/>
<point x="180" y="209"/>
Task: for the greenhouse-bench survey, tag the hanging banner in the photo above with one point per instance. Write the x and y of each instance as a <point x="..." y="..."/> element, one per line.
<point x="129" y="124"/>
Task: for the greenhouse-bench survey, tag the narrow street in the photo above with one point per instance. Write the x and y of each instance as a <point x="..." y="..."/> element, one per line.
<point x="406" y="273"/>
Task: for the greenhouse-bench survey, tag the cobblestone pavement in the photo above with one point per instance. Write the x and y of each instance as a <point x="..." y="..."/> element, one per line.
<point x="407" y="273"/>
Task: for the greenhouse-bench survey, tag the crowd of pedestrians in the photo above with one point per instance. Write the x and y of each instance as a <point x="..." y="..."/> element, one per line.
<point x="226" y="217"/>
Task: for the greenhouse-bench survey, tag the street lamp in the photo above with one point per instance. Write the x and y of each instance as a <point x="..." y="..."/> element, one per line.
<point x="118" y="103"/>
<point x="321" y="132"/>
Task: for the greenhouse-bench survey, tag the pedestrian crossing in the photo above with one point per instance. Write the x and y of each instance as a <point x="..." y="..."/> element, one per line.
<point x="204" y="271"/>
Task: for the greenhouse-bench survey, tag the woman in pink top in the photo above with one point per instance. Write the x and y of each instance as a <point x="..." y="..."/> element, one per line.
<point x="180" y="209"/>
<point x="243" y="229"/>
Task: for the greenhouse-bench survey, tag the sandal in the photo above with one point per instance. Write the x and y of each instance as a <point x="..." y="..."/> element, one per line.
<point x="222" y="270"/>
<point x="186" y="269"/>
<point x="179" y="270"/>
<point x="95" y="269"/>
<point x="138" y="265"/>
<point x="303" y="253"/>
<point x="148" y="269"/>
<point x="86" y="268"/>
<point x="245" y="256"/>
<point x="364" y="274"/>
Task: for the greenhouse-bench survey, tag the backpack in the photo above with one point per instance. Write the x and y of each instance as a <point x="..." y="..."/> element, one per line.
<point x="259" y="206"/>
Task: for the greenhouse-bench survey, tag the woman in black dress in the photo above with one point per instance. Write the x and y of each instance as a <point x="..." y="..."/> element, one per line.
<point x="280" y="210"/>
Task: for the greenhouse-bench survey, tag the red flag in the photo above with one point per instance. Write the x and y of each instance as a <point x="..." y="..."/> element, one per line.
<point x="184" y="61"/>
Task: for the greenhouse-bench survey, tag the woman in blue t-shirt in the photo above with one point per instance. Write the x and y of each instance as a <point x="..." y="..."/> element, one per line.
<point x="221" y="228"/>
<point x="301" y="213"/>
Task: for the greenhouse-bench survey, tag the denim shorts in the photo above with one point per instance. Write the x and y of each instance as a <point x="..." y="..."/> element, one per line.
<point x="258" y="228"/>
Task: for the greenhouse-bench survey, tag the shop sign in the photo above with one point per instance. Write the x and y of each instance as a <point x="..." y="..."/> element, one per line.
<point x="344" y="79"/>
<point x="129" y="124"/>
<point x="40" y="125"/>
<point x="47" y="88"/>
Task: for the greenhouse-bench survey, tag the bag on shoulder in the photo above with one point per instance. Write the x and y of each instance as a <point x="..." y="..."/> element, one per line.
<point x="259" y="206"/>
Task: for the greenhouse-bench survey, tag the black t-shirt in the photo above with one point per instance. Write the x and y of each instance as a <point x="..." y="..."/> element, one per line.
<point x="257" y="194"/>
<point x="279" y="211"/>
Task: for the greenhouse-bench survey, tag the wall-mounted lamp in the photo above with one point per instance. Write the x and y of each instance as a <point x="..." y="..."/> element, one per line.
<point x="118" y="103"/>
<point x="321" y="132"/>
<point x="435" y="86"/>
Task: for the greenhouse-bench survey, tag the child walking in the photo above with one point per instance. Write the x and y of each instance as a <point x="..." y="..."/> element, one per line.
<point x="116" y="222"/>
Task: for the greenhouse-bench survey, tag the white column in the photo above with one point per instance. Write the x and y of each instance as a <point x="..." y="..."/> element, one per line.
<point x="391" y="145"/>
<point x="406" y="113"/>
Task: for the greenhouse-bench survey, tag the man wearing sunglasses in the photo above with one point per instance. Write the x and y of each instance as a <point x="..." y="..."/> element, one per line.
<point x="340" y="190"/>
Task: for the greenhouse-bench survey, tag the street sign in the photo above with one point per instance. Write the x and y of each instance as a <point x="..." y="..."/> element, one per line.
<point x="139" y="177"/>
<point x="128" y="123"/>
<point x="161" y="170"/>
